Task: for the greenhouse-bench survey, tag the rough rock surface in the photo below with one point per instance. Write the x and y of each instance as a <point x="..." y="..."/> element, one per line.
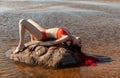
<point x="54" y="56"/>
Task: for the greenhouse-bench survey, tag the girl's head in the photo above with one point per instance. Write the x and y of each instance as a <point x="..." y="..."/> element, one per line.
<point x="77" y="41"/>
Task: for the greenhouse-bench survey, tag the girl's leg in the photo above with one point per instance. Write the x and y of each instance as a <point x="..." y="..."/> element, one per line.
<point x="32" y="37"/>
<point x="25" y="25"/>
<point x="35" y="24"/>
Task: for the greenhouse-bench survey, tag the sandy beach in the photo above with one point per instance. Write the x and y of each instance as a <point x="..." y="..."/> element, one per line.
<point x="97" y="22"/>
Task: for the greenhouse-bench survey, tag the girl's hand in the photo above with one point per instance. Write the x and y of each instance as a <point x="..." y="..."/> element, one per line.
<point x="32" y="47"/>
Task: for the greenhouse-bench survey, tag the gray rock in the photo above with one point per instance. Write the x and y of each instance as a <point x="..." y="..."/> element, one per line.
<point x="55" y="56"/>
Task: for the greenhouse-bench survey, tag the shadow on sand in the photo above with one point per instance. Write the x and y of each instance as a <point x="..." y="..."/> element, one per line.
<point x="103" y="59"/>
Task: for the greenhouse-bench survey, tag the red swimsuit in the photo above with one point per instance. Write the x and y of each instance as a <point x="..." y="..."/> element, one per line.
<point x="44" y="36"/>
<point x="60" y="32"/>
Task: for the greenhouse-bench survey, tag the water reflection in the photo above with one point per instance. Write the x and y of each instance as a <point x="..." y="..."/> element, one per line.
<point x="5" y="9"/>
<point x="49" y="5"/>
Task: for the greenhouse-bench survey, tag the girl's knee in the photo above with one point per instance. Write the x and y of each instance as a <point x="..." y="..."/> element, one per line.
<point x="29" y="19"/>
<point x="22" y="21"/>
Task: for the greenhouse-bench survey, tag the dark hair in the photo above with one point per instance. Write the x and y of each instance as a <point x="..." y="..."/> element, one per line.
<point x="75" y="46"/>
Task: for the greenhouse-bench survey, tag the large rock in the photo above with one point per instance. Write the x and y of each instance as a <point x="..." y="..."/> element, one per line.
<point x="54" y="56"/>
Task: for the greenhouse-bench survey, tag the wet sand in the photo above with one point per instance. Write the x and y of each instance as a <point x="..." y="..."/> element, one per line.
<point x="96" y="22"/>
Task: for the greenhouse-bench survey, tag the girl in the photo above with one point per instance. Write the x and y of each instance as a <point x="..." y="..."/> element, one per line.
<point x="40" y="36"/>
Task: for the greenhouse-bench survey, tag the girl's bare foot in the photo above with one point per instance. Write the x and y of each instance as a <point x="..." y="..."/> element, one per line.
<point x="19" y="49"/>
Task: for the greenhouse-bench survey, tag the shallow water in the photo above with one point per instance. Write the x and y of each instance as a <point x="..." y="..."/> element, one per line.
<point x="99" y="18"/>
<point x="52" y="4"/>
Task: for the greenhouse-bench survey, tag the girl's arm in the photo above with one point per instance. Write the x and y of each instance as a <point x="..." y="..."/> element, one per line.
<point x="50" y="43"/>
